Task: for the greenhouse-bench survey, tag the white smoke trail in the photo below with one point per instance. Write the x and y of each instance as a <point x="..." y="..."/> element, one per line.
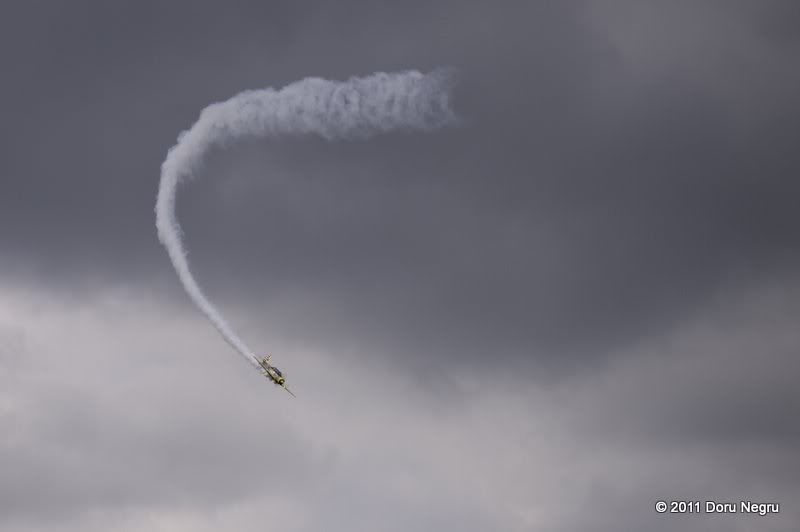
<point x="357" y="108"/>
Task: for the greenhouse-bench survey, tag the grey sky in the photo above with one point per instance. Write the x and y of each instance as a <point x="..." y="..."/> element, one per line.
<point x="581" y="301"/>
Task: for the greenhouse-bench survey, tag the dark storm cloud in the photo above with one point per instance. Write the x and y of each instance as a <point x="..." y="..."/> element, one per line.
<point x="603" y="187"/>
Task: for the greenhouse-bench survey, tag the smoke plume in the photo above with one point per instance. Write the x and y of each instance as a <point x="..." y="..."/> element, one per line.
<point x="353" y="109"/>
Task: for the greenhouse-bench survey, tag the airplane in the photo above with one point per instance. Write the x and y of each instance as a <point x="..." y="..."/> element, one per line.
<point x="273" y="373"/>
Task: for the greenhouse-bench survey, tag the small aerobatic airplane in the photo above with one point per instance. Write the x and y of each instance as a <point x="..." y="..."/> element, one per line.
<point x="273" y="373"/>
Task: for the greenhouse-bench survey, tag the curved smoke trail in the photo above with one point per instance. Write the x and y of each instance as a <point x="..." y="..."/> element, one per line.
<point x="357" y="108"/>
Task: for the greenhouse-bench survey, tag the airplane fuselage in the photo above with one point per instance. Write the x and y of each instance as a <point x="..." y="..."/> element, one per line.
<point x="273" y="373"/>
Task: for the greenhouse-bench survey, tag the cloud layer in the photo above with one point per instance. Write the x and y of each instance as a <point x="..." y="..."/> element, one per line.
<point x="132" y="434"/>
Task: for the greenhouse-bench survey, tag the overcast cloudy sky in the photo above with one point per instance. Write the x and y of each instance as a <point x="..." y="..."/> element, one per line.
<point x="580" y="302"/>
